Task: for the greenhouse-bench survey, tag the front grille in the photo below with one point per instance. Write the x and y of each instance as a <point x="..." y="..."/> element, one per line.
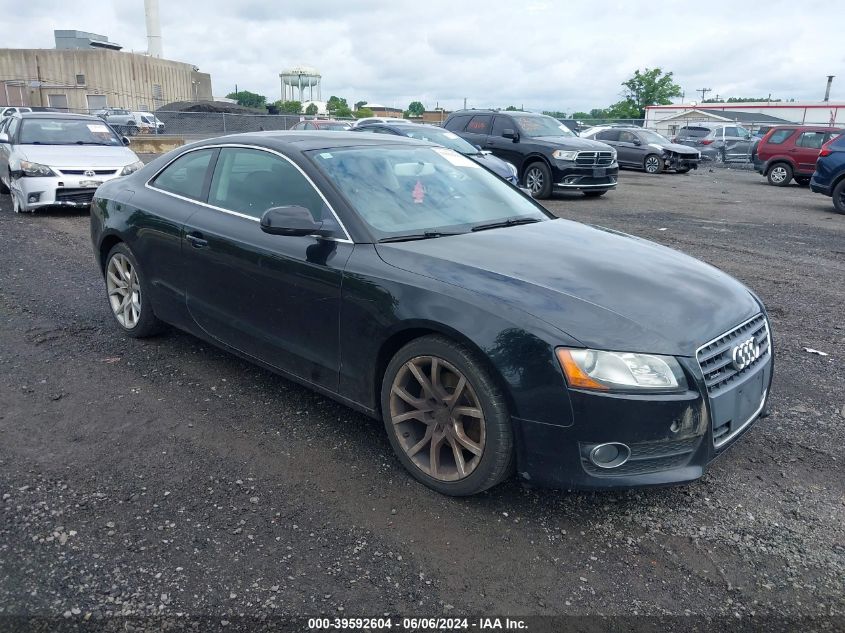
<point x="716" y="359"/>
<point x="594" y="159"/>
<point x="77" y="196"/>
<point x="649" y="457"/>
<point x="81" y="172"/>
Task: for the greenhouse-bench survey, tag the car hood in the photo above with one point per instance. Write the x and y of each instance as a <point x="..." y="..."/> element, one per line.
<point x="82" y="156"/>
<point x="571" y="142"/>
<point x="493" y="163"/>
<point x="606" y="289"/>
<point x="677" y="147"/>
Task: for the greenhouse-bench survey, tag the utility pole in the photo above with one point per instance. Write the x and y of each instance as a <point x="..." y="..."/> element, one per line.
<point x="703" y="92"/>
<point x="465" y="103"/>
<point x="827" y="91"/>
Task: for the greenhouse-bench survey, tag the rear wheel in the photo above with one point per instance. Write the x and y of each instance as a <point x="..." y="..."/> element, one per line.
<point x="653" y="164"/>
<point x="780" y="174"/>
<point x="839" y="197"/>
<point x="128" y="294"/>
<point x="445" y="417"/>
<point x="595" y="194"/>
<point x="538" y="178"/>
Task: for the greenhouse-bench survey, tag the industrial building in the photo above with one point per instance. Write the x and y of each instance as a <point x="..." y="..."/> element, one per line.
<point x="87" y="72"/>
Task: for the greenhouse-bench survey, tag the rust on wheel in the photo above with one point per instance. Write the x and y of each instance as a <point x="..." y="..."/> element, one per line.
<point x="437" y="418"/>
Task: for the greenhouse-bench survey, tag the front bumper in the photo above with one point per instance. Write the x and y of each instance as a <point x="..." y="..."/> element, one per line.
<point x="673" y="438"/>
<point x="569" y="177"/>
<point x="71" y="191"/>
<point x="679" y="161"/>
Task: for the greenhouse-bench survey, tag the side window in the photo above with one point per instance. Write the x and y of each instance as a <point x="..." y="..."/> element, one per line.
<point x="608" y="135"/>
<point x="308" y="126"/>
<point x="185" y="176"/>
<point x="458" y="123"/>
<point x="812" y="140"/>
<point x="779" y="136"/>
<point x="377" y="129"/>
<point x="250" y="181"/>
<point x="480" y="124"/>
<point x="743" y="132"/>
<point x="502" y="123"/>
<point x="626" y="137"/>
<point x="733" y="132"/>
<point x="831" y="135"/>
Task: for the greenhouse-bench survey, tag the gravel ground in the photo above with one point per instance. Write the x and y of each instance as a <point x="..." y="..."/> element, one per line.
<point x="164" y="478"/>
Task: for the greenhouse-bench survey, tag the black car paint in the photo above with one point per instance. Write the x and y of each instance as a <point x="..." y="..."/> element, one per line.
<point x="524" y="150"/>
<point x="334" y="311"/>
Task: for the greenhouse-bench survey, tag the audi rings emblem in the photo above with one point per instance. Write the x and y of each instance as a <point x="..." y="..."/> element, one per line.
<point x="745" y="353"/>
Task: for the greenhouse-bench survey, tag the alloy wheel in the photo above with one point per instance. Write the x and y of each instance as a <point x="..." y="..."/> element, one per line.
<point x="534" y="180"/>
<point x="437" y="418"/>
<point x="124" y="290"/>
<point x="778" y="174"/>
<point x="652" y="164"/>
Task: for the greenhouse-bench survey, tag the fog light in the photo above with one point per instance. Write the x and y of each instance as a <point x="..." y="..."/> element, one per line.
<point x="33" y="197"/>
<point x="611" y="455"/>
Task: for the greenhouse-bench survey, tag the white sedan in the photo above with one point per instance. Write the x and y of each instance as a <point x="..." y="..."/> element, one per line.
<point x="50" y="159"/>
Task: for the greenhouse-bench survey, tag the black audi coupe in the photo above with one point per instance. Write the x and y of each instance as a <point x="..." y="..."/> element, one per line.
<point x="409" y="283"/>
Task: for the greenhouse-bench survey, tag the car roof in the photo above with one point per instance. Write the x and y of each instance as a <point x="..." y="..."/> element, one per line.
<point x="517" y="112"/>
<point x="808" y="128"/>
<point x="305" y="140"/>
<point x="57" y="115"/>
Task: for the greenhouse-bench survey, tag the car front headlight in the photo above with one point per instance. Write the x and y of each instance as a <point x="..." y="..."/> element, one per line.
<point x="131" y="168"/>
<point x="560" y="154"/>
<point x="612" y="153"/>
<point x="36" y="169"/>
<point x="598" y="370"/>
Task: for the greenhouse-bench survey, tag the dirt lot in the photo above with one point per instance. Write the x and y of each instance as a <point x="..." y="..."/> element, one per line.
<point x="165" y="477"/>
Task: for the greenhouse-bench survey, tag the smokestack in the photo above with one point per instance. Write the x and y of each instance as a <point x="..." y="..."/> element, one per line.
<point x="153" y="28"/>
<point x="827" y="92"/>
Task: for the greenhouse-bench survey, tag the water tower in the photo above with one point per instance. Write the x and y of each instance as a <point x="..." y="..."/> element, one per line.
<point x="296" y="80"/>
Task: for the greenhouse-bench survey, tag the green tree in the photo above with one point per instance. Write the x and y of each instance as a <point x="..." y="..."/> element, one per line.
<point x="312" y="109"/>
<point x="364" y="112"/>
<point x="557" y="114"/>
<point x="650" y="87"/>
<point x="337" y="106"/>
<point x="579" y="116"/>
<point x="248" y="99"/>
<point x="415" y="108"/>
<point x="511" y="108"/>
<point x="285" y="107"/>
<point x="360" y="104"/>
<point x="625" y="109"/>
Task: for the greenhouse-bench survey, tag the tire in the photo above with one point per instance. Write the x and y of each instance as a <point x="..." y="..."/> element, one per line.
<point x="653" y="164"/>
<point x="136" y="318"/>
<point x="538" y="178"/>
<point x="595" y="194"/>
<point x="838" y="196"/>
<point x="482" y="436"/>
<point x="779" y="174"/>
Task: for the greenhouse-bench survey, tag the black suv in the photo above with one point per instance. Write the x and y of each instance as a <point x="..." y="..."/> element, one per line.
<point x="547" y="155"/>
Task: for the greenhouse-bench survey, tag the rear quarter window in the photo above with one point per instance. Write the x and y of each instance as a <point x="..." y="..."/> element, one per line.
<point x="694" y="132"/>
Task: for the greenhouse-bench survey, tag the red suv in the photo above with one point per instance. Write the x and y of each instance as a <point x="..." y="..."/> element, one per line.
<point x="791" y="151"/>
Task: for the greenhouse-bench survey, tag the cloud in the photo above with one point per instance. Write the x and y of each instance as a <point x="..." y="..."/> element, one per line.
<point x="542" y="55"/>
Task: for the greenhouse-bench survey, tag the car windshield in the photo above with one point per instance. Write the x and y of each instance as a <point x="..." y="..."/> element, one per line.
<point x="532" y="126"/>
<point x="441" y="137"/>
<point x="67" y="132"/>
<point x="653" y="137"/>
<point x="422" y="191"/>
<point x="333" y="126"/>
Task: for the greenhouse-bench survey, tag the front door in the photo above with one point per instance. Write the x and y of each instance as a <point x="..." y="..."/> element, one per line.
<point x="631" y="150"/>
<point x="505" y="148"/>
<point x="273" y="297"/>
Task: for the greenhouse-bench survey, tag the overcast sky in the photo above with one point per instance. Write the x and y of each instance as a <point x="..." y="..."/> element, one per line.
<point x="537" y="53"/>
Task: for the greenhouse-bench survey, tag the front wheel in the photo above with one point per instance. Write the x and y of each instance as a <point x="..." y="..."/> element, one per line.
<point x="538" y="179"/>
<point x="595" y="194"/>
<point x="445" y="417"/>
<point x="653" y="164"/>
<point x="839" y="197"/>
<point x="779" y="175"/>
<point x="128" y="294"/>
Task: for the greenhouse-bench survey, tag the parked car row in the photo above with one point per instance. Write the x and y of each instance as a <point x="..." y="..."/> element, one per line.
<point x="131" y="123"/>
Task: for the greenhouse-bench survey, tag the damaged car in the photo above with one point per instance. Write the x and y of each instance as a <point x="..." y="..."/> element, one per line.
<point x="638" y="148"/>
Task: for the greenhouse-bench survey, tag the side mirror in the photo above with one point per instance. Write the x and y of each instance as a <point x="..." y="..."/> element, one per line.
<point x="4" y="138"/>
<point x="291" y="220"/>
<point x="511" y="134"/>
<point x="637" y="141"/>
<point x="125" y="140"/>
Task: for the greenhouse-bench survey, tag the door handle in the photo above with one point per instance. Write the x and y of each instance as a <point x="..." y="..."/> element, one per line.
<point x="196" y="240"/>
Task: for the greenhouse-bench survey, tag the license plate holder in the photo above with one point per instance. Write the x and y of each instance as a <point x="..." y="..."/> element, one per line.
<point x="748" y="399"/>
<point x="599" y="172"/>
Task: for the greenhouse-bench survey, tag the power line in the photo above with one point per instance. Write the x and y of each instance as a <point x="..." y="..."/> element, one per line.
<point x="703" y="91"/>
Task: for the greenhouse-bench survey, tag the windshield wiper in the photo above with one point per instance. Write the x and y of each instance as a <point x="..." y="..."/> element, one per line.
<point x="503" y="223"/>
<point x="427" y="235"/>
